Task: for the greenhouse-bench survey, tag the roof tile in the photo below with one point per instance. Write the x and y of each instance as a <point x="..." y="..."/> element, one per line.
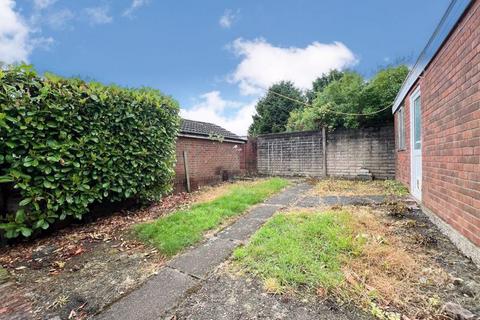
<point x="205" y="129"/>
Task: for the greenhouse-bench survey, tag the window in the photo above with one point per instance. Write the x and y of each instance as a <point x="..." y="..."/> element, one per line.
<point x="401" y="128"/>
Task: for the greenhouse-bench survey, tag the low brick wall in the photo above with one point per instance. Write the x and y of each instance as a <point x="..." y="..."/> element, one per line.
<point x="209" y="162"/>
<point x="347" y="153"/>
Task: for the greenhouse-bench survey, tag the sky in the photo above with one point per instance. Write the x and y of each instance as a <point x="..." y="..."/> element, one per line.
<point x="217" y="58"/>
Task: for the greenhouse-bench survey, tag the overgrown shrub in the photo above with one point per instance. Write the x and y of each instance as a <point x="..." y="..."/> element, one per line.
<point x="66" y="143"/>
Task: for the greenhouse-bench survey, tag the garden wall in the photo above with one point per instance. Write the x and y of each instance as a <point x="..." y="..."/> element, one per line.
<point x="347" y="154"/>
<point x="209" y="162"/>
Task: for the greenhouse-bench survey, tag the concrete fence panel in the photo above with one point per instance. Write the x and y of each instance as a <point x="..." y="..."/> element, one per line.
<point x="349" y="153"/>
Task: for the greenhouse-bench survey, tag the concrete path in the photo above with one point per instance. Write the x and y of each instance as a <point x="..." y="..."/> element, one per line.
<point x="187" y="272"/>
<point x="315" y="201"/>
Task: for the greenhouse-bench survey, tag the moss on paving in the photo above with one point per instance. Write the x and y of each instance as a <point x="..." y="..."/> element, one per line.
<point x="185" y="227"/>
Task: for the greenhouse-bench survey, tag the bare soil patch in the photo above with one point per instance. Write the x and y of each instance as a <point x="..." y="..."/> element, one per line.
<point x="79" y="270"/>
<point x="227" y="295"/>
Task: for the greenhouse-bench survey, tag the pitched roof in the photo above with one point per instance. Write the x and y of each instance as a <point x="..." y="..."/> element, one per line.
<point x="449" y="21"/>
<point x="205" y="130"/>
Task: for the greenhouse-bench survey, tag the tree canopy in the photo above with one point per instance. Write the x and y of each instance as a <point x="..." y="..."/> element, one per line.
<point x="351" y="94"/>
<point x="273" y="110"/>
<point x="321" y="82"/>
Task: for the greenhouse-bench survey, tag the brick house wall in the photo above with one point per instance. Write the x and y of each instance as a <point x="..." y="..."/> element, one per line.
<point x="348" y="151"/>
<point x="209" y="162"/>
<point x="450" y="98"/>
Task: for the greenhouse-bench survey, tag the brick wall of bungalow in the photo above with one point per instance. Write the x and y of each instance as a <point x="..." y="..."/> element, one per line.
<point x="450" y="97"/>
<point x="209" y="162"/>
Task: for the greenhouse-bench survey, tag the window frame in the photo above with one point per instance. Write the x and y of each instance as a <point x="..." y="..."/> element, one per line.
<point x="401" y="145"/>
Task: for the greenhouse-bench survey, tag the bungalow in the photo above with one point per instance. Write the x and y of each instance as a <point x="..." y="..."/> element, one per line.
<point x="437" y="123"/>
<point x="211" y="153"/>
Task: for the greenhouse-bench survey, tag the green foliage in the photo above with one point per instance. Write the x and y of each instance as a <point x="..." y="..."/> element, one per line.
<point x="66" y="144"/>
<point x="185" y="227"/>
<point x="321" y="82"/>
<point x="273" y="111"/>
<point x="300" y="250"/>
<point x="351" y="94"/>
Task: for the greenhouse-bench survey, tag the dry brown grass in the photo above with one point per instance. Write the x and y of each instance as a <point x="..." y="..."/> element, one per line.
<point x="210" y="193"/>
<point x="343" y="187"/>
<point x="386" y="277"/>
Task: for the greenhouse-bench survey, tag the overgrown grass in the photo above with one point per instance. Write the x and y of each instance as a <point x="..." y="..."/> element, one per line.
<point x="358" y="187"/>
<point x="182" y="228"/>
<point x="300" y="249"/>
<point x="349" y="255"/>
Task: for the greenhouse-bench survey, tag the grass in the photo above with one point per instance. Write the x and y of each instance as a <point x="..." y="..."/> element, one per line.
<point x="358" y="187"/>
<point x="348" y="254"/>
<point x="300" y="249"/>
<point x="183" y="228"/>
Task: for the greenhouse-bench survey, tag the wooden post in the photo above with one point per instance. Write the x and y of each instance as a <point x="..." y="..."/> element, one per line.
<point x="324" y="147"/>
<point x="185" y="164"/>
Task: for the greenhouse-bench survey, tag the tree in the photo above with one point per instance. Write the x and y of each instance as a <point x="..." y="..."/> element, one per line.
<point x="352" y="102"/>
<point x="273" y="110"/>
<point x="321" y="82"/>
<point x="343" y="95"/>
<point x="380" y="92"/>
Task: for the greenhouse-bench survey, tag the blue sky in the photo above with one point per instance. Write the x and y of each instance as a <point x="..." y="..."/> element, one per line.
<point x="215" y="57"/>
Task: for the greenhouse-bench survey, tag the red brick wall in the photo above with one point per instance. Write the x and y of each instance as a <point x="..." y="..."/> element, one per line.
<point x="450" y="96"/>
<point x="248" y="158"/>
<point x="209" y="162"/>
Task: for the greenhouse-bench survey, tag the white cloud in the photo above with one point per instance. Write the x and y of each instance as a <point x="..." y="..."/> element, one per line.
<point x="212" y="108"/>
<point x="136" y="4"/>
<point x="264" y="64"/>
<point x="227" y="19"/>
<point x="59" y="19"/>
<point x="99" y="15"/>
<point x="15" y="45"/>
<point x="42" y="4"/>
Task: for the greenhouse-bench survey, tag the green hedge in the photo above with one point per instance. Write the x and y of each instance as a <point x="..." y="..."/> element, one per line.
<point x="66" y="143"/>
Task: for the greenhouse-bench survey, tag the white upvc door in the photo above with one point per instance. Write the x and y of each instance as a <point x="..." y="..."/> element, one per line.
<point x="416" y="144"/>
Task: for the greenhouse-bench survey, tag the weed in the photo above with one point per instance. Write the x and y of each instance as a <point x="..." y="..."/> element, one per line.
<point x="343" y="187"/>
<point x="397" y="209"/>
<point x="4" y="275"/>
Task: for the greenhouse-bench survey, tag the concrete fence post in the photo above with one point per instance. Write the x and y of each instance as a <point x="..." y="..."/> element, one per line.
<point x="324" y="147"/>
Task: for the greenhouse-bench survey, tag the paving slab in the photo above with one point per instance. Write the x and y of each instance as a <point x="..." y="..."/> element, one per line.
<point x="377" y="199"/>
<point x="262" y="212"/>
<point x="187" y="272"/>
<point x="289" y="196"/>
<point x="329" y="200"/>
<point x="242" y="229"/>
<point x="203" y="259"/>
<point x="158" y="295"/>
<point x="309" y="202"/>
